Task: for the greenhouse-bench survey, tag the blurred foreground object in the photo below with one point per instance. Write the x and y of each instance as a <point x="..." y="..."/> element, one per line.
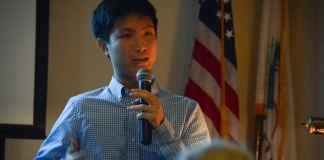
<point x="315" y="125"/>
<point x="216" y="150"/>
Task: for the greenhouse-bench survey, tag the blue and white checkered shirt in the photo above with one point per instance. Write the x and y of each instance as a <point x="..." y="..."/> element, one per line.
<point x="100" y="122"/>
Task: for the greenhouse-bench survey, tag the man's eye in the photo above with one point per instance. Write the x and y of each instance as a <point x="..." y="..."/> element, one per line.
<point x="125" y="36"/>
<point x="148" y="34"/>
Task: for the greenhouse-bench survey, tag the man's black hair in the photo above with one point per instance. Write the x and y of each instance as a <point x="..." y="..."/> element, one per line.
<point x="109" y="11"/>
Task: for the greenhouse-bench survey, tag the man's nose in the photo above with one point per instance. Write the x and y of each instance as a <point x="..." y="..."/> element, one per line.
<point x="140" y="44"/>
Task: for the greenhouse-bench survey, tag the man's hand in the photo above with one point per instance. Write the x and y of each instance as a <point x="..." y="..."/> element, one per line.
<point x="73" y="152"/>
<point x="152" y="112"/>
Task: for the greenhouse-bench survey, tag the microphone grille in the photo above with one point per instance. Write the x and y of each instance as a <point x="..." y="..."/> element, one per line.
<point x="144" y="74"/>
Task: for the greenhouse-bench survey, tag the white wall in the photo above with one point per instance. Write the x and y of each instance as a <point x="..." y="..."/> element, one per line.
<point x="76" y="64"/>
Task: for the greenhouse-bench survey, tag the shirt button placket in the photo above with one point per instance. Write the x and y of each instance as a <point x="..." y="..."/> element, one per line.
<point x="133" y="145"/>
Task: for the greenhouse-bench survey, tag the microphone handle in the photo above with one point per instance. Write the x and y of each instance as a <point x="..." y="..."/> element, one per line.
<point x="145" y="125"/>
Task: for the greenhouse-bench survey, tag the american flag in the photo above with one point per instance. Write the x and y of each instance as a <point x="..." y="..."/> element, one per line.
<point x="213" y="70"/>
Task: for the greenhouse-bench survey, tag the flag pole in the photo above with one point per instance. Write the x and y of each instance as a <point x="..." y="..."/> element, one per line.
<point x="259" y="114"/>
<point x="261" y="78"/>
<point x="282" y="70"/>
<point x="224" y="117"/>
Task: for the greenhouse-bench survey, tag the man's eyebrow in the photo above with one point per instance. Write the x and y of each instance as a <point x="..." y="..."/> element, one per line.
<point x="129" y="29"/>
<point x="149" y="26"/>
<point x="125" y="30"/>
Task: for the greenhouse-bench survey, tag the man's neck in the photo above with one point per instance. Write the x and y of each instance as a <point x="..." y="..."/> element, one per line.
<point x="129" y="82"/>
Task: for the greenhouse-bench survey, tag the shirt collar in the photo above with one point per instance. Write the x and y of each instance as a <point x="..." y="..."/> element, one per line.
<point x="120" y="90"/>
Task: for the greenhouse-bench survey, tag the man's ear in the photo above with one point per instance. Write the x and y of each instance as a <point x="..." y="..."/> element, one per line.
<point x="102" y="45"/>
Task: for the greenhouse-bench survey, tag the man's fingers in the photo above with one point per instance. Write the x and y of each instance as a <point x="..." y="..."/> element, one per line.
<point x="136" y="102"/>
<point x="73" y="152"/>
<point x="75" y="146"/>
<point x="140" y="107"/>
<point x="143" y="94"/>
<point x="152" y="112"/>
<point x="144" y="115"/>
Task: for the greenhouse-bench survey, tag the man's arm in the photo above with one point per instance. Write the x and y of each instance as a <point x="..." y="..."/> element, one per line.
<point x="59" y="140"/>
<point x="195" y="133"/>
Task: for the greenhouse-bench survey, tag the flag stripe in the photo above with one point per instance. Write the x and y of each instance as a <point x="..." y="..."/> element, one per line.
<point x="205" y="81"/>
<point x="209" y="40"/>
<point x="204" y="57"/>
<point x="213" y="132"/>
<point x="204" y="100"/>
<point x="234" y="131"/>
<point x="232" y="100"/>
<point x="231" y="77"/>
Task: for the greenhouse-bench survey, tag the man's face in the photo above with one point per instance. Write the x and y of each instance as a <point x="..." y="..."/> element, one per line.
<point x="132" y="45"/>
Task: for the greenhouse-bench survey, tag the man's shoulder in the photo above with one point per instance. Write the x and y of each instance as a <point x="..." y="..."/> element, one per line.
<point x="91" y="94"/>
<point x="170" y="96"/>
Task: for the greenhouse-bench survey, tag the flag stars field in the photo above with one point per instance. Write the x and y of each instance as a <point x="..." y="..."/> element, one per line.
<point x="229" y="34"/>
<point x="227" y="17"/>
<point x="219" y="14"/>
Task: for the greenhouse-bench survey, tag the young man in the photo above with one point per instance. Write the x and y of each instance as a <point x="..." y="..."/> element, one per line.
<point x="104" y="123"/>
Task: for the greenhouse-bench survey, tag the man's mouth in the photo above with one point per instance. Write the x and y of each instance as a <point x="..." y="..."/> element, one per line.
<point x="141" y="59"/>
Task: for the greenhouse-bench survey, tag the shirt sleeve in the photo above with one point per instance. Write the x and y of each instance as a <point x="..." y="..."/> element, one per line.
<point x="59" y="139"/>
<point x="195" y="133"/>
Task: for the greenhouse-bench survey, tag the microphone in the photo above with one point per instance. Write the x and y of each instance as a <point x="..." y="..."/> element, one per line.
<point x="144" y="77"/>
